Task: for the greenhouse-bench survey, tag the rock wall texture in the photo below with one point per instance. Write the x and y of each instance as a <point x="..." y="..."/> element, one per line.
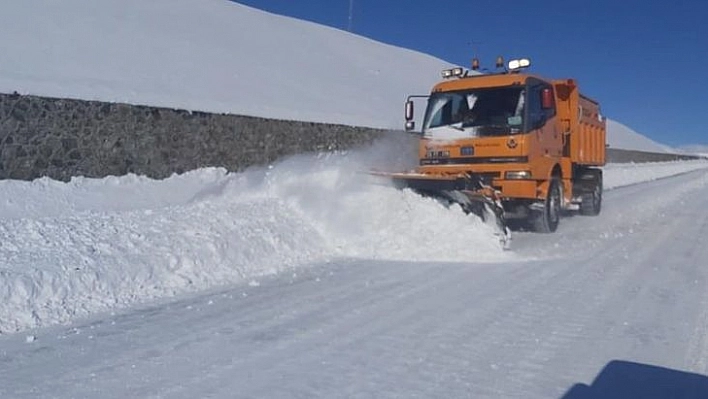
<point x="61" y="138"/>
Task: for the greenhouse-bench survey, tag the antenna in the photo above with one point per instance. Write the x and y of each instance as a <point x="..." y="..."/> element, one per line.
<point x="351" y="15"/>
<point x="475" y="47"/>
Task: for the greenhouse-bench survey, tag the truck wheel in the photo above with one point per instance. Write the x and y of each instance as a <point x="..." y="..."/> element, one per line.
<point x="547" y="220"/>
<point x="592" y="202"/>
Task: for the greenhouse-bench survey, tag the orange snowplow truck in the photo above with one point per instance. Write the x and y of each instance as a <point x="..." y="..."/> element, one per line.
<point x="520" y="145"/>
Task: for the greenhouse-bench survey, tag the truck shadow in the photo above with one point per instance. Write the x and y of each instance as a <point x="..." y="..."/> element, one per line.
<point x="523" y="225"/>
<point x="628" y="380"/>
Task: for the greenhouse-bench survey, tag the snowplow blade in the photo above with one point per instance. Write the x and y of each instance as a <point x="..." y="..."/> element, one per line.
<point x="466" y="190"/>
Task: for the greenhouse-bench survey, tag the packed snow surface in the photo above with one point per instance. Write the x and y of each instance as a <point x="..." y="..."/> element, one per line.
<point x="627" y="285"/>
<point x="72" y="249"/>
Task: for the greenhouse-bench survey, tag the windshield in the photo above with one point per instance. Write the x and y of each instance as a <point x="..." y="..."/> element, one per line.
<point x="478" y="112"/>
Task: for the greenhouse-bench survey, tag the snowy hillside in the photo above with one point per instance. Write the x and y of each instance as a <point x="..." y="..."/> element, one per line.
<point x="215" y="55"/>
<point x="623" y="137"/>
<point x="210" y="55"/>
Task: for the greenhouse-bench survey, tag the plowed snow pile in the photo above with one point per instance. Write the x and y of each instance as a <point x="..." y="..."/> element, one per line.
<point x="70" y="249"/>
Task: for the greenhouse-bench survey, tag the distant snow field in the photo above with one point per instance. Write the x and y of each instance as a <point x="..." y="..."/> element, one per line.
<point x="243" y="61"/>
<point x="622" y="137"/>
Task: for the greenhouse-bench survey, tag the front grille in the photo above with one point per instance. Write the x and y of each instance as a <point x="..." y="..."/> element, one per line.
<point x="472" y="160"/>
<point x="487" y="177"/>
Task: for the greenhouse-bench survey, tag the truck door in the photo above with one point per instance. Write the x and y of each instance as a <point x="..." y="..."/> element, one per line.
<point x="542" y="120"/>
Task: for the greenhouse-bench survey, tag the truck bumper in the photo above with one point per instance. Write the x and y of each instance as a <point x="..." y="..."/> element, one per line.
<point x="528" y="189"/>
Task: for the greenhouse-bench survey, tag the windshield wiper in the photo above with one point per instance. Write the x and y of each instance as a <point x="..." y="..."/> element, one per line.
<point x="456" y="126"/>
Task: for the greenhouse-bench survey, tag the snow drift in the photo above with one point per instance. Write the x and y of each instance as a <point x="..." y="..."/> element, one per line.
<point x="106" y="243"/>
<point x="72" y="249"/>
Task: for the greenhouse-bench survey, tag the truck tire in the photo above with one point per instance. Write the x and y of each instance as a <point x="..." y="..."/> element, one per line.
<point x="547" y="220"/>
<point x="592" y="202"/>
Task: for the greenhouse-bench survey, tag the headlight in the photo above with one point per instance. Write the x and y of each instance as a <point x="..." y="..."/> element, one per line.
<point x="437" y="154"/>
<point x="518" y="175"/>
<point x="454" y="72"/>
<point x="518" y="64"/>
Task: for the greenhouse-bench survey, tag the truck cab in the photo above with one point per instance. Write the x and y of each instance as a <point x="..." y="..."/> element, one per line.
<point x="536" y="143"/>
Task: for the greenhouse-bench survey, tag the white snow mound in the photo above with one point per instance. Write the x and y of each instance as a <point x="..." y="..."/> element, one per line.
<point x="111" y="242"/>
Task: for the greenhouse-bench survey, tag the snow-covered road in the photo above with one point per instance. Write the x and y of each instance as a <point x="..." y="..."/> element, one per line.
<point x="629" y="284"/>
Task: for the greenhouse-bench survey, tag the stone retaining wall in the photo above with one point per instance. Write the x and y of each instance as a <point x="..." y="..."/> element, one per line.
<point x="61" y="138"/>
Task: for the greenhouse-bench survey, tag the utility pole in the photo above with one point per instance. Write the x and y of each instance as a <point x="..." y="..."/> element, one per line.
<point x="351" y="15"/>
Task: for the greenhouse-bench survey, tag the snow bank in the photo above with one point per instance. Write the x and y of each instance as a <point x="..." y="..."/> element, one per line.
<point x="71" y="249"/>
<point x="616" y="175"/>
<point x="45" y="197"/>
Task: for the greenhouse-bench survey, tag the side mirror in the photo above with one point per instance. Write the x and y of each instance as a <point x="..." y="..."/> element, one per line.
<point x="409" y="110"/>
<point x="547" y="98"/>
<point x="410" y="124"/>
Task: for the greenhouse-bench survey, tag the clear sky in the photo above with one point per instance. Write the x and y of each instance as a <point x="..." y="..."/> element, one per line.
<point x="643" y="60"/>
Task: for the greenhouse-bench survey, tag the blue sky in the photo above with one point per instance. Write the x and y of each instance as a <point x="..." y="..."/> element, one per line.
<point x="643" y="60"/>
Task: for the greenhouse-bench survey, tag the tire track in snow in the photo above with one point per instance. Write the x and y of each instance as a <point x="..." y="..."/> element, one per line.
<point x="594" y="288"/>
<point x="384" y="329"/>
<point x="697" y="351"/>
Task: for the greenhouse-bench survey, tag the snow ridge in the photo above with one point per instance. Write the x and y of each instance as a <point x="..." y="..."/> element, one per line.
<point x="60" y="263"/>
